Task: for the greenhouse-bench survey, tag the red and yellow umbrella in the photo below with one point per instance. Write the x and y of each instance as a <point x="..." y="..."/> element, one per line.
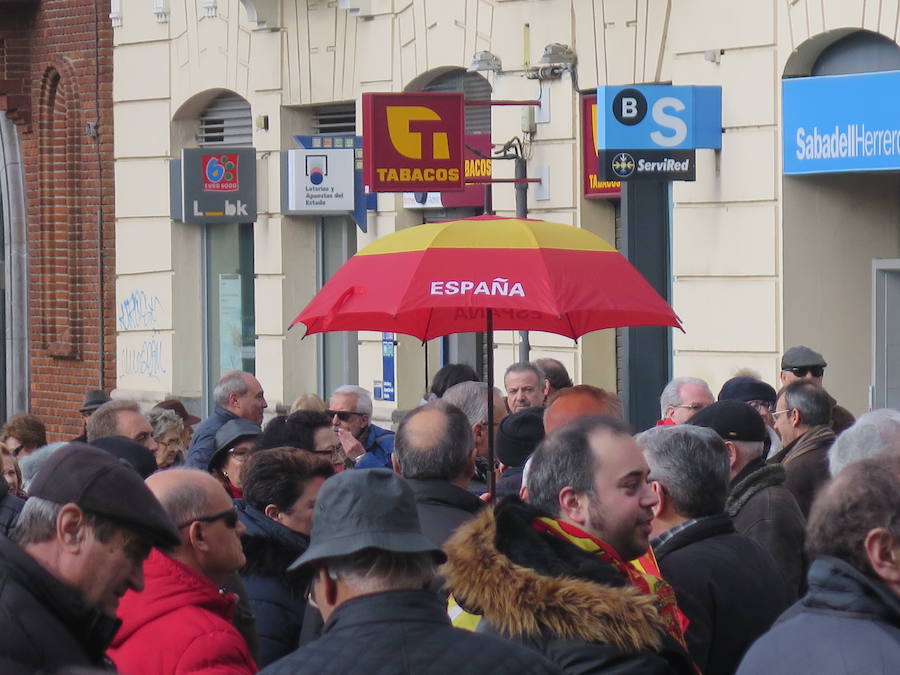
<point x="443" y="278"/>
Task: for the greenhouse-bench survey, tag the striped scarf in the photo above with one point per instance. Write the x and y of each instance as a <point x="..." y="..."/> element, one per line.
<point x="643" y="572"/>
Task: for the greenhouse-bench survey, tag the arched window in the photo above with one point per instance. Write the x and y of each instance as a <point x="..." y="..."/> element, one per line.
<point x="860" y="52"/>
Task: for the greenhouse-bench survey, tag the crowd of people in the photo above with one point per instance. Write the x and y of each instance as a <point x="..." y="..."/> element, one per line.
<point x="753" y="532"/>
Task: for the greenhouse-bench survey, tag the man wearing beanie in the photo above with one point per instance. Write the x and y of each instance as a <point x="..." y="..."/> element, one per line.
<point x="80" y="542"/>
<point x="517" y="437"/>
<point x="760" y="505"/>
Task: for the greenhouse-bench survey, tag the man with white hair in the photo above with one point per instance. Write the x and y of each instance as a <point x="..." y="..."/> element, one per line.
<point x="875" y="433"/>
<point x="350" y="410"/>
<point x="681" y="399"/>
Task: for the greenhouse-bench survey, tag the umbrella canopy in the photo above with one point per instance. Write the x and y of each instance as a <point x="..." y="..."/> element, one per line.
<point x="433" y="280"/>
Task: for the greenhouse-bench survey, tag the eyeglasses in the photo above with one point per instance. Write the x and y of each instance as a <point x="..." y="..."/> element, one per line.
<point x="801" y="371"/>
<point x="761" y="406"/>
<point x="229" y="517"/>
<point x="240" y="454"/>
<point x="342" y="415"/>
<point x="775" y="413"/>
<point x="175" y="442"/>
<point x="692" y="406"/>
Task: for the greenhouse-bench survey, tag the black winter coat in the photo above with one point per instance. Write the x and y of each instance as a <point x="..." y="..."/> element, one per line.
<point x="46" y="624"/>
<point x="546" y="593"/>
<point x="10" y="506"/>
<point x="278" y="599"/>
<point x="442" y="507"/>
<point x="762" y="508"/>
<point x="727" y="586"/>
<point x="845" y="624"/>
<point x="404" y="633"/>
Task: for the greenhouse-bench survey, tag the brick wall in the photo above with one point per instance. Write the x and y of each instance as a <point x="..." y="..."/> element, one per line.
<point x="55" y="79"/>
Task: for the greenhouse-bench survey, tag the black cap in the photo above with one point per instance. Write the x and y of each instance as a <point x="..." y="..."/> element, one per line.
<point x="519" y="434"/>
<point x="93" y="399"/>
<point x="747" y="389"/>
<point x="368" y="508"/>
<point x="101" y="484"/>
<point x="130" y="452"/>
<point x="228" y="435"/>
<point x="800" y="356"/>
<point x="732" y="420"/>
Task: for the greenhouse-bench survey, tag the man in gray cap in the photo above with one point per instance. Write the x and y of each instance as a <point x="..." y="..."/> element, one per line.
<point x="803" y="363"/>
<point x="759" y="504"/>
<point x="370" y="566"/>
<point x="81" y="540"/>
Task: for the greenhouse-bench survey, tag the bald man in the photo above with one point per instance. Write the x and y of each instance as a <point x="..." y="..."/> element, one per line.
<point x="580" y="401"/>
<point x="181" y="622"/>
<point x="435" y="451"/>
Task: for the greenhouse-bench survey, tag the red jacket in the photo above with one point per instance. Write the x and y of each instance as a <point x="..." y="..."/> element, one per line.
<point x="180" y="623"/>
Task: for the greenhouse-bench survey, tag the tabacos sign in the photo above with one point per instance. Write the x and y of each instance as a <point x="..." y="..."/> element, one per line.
<point x="651" y="132"/>
<point x="413" y="142"/>
<point x="594" y="187"/>
<point x="218" y="186"/>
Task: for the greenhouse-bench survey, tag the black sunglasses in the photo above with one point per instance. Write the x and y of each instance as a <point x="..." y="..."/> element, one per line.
<point x="342" y="415"/>
<point x="801" y="371"/>
<point x="229" y="517"/>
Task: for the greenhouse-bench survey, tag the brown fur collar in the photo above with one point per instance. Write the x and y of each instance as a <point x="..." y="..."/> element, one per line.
<point x="523" y="603"/>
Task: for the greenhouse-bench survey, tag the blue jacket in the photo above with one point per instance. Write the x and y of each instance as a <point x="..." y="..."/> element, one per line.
<point x="846" y="623"/>
<point x="278" y="600"/>
<point x="379" y="445"/>
<point x="203" y="442"/>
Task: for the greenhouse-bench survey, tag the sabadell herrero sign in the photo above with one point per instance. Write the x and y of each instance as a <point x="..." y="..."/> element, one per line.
<point x="841" y="123"/>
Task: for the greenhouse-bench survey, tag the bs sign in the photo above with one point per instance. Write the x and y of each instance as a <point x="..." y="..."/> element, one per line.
<point x="652" y="131"/>
<point x="413" y="142"/>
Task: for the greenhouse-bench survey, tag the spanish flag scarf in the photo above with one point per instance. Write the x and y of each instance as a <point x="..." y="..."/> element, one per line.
<point x="643" y="572"/>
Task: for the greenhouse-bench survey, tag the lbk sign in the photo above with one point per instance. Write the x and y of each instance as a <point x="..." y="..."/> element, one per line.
<point x="413" y="142"/>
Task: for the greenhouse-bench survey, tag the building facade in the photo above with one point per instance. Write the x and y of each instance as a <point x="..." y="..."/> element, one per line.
<point x="56" y="208"/>
<point x="759" y="261"/>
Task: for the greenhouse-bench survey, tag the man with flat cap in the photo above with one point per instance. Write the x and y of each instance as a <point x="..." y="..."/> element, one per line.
<point x="370" y="566"/>
<point x="80" y="542"/>
<point x="759" y="504"/>
<point x="803" y="363"/>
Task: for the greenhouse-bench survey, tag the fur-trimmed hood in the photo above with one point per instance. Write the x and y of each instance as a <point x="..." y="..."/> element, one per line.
<point x="530" y="585"/>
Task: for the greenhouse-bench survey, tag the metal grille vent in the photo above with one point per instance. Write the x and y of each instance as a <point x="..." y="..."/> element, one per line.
<point x="336" y="119"/>
<point x="475" y="88"/>
<point x="226" y="121"/>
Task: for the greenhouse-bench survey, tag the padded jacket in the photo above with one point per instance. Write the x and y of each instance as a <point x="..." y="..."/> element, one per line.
<point x="179" y="623"/>
<point x="846" y="624"/>
<point x="404" y="633"/>
<point x="278" y="599"/>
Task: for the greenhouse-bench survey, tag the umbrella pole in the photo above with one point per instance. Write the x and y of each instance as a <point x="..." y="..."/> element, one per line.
<point x="489" y="346"/>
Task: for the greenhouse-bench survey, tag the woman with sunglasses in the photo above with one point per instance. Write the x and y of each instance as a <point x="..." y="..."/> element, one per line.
<point x="280" y="490"/>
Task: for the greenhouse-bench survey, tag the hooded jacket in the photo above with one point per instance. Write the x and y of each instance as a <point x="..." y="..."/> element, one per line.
<point x="46" y="624"/>
<point x="179" y="623"/>
<point x="278" y="599"/>
<point x="847" y="624"/>
<point x="548" y="594"/>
